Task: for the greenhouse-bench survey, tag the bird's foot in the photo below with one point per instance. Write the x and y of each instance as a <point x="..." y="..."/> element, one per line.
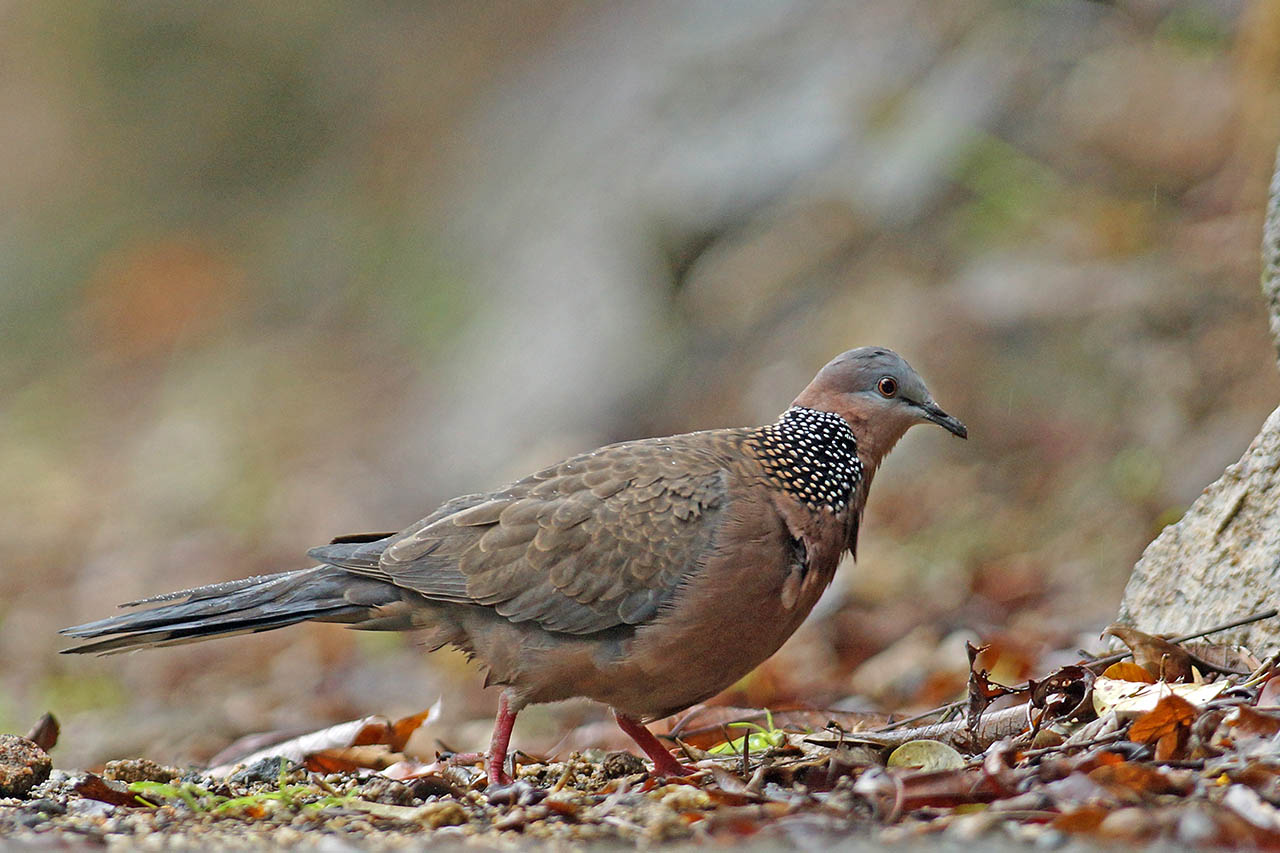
<point x="498" y="776"/>
<point x="663" y="762"/>
<point x="496" y="760"/>
<point x="666" y="765"/>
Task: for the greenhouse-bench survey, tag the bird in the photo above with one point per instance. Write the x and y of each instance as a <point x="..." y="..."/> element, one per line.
<point x="647" y="575"/>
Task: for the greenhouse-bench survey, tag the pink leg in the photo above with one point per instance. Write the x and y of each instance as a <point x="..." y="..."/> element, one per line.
<point x="501" y="739"/>
<point x="663" y="763"/>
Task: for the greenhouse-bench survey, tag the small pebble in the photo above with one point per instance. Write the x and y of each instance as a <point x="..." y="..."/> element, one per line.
<point x="617" y="764"/>
<point x="139" y="770"/>
<point x="45" y="805"/>
<point x="263" y="770"/>
<point x="443" y="813"/>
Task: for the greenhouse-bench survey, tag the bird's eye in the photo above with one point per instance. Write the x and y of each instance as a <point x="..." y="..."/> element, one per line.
<point x="887" y="386"/>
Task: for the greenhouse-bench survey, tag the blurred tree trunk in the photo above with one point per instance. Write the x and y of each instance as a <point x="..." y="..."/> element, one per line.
<point x="1222" y="559"/>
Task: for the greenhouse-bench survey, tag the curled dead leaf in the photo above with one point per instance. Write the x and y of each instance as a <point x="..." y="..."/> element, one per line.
<point x="1063" y="694"/>
<point x="44" y="733"/>
<point x="372" y="742"/>
<point x="1167" y="725"/>
<point x="94" y="787"/>
<point x="982" y="690"/>
<point x="1164" y="660"/>
<point x="1127" y="670"/>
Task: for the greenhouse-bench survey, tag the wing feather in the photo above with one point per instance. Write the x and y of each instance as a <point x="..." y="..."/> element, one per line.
<point x="598" y="541"/>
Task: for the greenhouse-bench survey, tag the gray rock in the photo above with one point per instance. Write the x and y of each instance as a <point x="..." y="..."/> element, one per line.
<point x="1221" y="561"/>
<point x="1271" y="256"/>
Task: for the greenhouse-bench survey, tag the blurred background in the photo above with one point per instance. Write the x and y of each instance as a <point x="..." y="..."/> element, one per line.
<point x="271" y="272"/>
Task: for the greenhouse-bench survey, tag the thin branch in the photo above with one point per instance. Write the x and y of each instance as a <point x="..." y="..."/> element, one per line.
<point x="1194" y="635"/>
<point x="941" y="709"/>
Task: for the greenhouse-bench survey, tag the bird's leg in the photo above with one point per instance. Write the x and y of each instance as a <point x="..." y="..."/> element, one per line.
<point x="663" y="763"/>
<point x="501" y="739"/>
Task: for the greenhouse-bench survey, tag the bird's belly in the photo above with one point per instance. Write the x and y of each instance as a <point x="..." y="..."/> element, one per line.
<point x="703" y="644"/>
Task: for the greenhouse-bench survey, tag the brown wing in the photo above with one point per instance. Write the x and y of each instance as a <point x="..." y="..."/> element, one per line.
<point x="598" y="541"/>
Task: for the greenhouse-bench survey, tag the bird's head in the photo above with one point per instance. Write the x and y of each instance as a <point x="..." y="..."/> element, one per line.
<point x="881" y="397"/>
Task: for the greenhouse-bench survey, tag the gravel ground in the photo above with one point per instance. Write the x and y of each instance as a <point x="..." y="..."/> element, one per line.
<point x="548" y="805"/>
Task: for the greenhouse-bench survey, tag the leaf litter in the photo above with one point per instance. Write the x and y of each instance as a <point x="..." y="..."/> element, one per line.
<point x="1179" y="745"/>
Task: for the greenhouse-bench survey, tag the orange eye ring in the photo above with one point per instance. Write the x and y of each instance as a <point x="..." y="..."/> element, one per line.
<point x="887" y="386"/>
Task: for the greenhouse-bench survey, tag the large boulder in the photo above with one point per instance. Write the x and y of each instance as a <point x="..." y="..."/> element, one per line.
<point x="1221" y="561"/>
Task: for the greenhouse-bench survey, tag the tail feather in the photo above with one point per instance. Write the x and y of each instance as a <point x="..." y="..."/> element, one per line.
<point x="213" y="590"/>
<point x="321" y="593"/>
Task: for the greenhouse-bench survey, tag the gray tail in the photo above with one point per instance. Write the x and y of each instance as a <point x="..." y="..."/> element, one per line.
<point x="321" y="593"/>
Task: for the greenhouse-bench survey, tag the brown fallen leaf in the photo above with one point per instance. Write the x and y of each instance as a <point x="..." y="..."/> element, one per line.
<point x="1085" y="819"/>
<point x="393" y="734"/>
<point x="44" y="733"/>
<point x="982" y="691"/>
<point x="372" y="756"/>
<point x="1164" y="660"/>
<point x="892" y="792"/>
<point x="344" y="746"/>
<point x="1247" y="732"/>
<point x="1133" y="781"/>
<point x="1064" y="694"/>
<point x="730" y="789"/>
<point x="1127" y="670"/>
<point x="1167" y="726"/>
<point x="94" y="787"/>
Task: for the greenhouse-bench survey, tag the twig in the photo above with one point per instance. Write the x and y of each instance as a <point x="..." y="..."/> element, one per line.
<point x="684" y="747"/>
<point x="941" y="709"/>
<point x="1098" y="741"/>
<point x="1247" y="620"/>
<point x="1263" y="672"/>
<point x="1006" y="722"/>
<point x="1096" y="662"/>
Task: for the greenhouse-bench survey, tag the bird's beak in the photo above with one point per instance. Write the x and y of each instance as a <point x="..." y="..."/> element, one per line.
<point x="935" y="415"/>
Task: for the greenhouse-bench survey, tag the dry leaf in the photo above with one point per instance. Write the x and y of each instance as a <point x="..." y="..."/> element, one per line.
<point x="898" y="791"/>
<point x="1164" y="660"/>
<point x="372" y="756"/>
<point x="926" y="755"/>
<point x="1063" y="694"/>
<point x="94" y="787"/>
<point x="1081" y="820"/>
<point x="1130" y="699"/>
<point x="1248" y="732"/>
<point x="1127" y="670"/>
<point x="982" y="690"/>
<point x="1130" y="778"/>
<point x="333" y="747"/>
<point x="44" y="733"/>
<point x="1167" y="725"/>
<point x="1269" y="695"/>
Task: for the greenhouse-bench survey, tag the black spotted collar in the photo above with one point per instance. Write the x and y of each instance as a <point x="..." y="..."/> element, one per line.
<point x="813" y="455"/>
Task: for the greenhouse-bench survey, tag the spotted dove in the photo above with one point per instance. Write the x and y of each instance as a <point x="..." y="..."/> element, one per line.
<point x="647" y="575"/>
